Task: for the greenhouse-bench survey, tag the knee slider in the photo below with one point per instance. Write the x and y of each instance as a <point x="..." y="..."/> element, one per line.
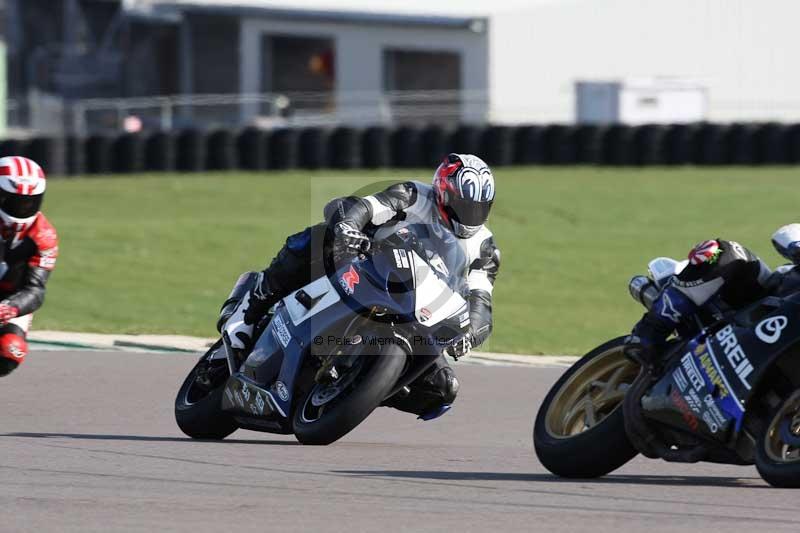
<point x="446" y="382"/>
<point x="13" y="348"/>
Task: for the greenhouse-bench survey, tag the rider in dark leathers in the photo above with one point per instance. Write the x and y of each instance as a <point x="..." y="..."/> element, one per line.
<point x="459" y="201"/>
<point x="720" y="273"/>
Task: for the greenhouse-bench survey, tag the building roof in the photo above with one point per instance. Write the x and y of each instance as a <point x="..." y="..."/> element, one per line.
<point x="439" y="12"/>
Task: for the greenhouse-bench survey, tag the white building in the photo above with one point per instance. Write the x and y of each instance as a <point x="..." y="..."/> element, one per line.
<point x="512" y="61"/>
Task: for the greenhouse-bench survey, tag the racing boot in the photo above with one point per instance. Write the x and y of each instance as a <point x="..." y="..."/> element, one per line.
<point x="240" y="326"/>
<point x="429" y="396"/>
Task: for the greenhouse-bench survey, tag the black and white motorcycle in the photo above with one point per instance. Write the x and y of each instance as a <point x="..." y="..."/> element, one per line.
<point x="333" y="351"/>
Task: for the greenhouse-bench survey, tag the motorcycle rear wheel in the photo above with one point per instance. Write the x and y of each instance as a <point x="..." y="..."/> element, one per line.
<point x="318" y="420"/>
<point x="198" y="408"/>
<point x="579" y="431"/>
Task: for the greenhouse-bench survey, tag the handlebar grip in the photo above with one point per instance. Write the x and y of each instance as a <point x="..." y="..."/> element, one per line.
<point x="643" y="290"/>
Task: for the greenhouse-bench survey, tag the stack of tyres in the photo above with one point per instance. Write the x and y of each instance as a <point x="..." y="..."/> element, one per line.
<point x="741" y="145"/>
<point x="528" y="145"/>
<point x="313" y="144"/>
<point x="221" y="153"/>
<point x="191" y="151"/>
<point x="772" y="143"/>
<point x="559" y="146"/>
<point x="376" y="148"/>
<point x="160" y="152"/>
<point x="589" y="144"/>
<point x="435" y="145"/>
<point x="344" y="151"/>
<point x="129" y="154"/>
<point x="283" y="149"/>
<point x="98" y="154"/>
<point x="252" y="148"/>
<point x="497" y="146"/>
<point x="466" y="139"/>
<point x="76" y="156"/>
<point x="407" y="147"/>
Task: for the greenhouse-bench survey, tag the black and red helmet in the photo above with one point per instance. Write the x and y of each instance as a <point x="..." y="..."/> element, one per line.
<point x="464" y="188"/>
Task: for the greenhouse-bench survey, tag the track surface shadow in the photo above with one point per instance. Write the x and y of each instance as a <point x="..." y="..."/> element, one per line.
<point x="146" y="438"/>
<point x="708" y="481"/>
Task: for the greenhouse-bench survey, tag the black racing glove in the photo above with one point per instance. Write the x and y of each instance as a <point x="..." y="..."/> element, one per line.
<point x="460" y="348"/>
<point x="349" y="239"/>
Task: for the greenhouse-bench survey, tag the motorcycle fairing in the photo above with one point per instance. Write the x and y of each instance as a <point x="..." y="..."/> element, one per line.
<point x="732" y="361"/>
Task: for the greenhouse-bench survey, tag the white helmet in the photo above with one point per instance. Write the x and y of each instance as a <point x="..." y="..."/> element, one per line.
<point x="464" y="188"/>
<point x="22" y="185"/>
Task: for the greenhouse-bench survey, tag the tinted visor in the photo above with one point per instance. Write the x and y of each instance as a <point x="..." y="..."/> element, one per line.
<point x="18" y="205"/>
<point x="468" y="212"/>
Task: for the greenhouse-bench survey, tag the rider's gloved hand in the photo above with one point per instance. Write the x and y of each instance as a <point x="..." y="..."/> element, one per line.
<point x="7" y="312"/>
<point x="461" y="348"/>
<point x="349" y="238"/>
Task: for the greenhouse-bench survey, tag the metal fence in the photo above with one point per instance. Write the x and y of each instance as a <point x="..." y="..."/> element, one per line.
<point x="41" y="113"/>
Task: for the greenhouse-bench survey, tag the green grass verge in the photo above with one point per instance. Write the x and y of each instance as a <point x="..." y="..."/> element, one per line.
<point x="158" y="254"/>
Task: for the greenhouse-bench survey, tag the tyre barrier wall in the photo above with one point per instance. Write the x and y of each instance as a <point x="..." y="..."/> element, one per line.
<point x="414" y="147"/>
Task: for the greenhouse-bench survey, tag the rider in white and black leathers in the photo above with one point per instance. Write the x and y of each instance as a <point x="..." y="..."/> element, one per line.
<point x="459" y="200"/>
<point x="720" y="273"/>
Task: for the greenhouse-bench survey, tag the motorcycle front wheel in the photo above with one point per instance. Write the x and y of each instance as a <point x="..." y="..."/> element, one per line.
<point x="579" y="431"/>
<point x="328" y="411"/>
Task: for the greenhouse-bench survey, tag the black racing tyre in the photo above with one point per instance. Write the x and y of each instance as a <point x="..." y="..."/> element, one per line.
<point x="579" y="430"/>
<point x="375" y="378"/>
<point x="198" y="411"/>
<point x="778" y="448"/>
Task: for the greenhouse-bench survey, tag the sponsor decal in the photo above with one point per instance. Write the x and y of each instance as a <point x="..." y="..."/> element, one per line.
<point x="687" y="284"/>
<point x="401" y="258"/>
<point x="688" y="416"/>
<point x="260" y="403"/>
<point x="692" y="372"/>
<point x="693" y="399"/>
<point x="668" y="309"/>
<point x="281" y="331"/>
<point x="735" y="354"/>
<point x="713" y="413"/>
<point x="711" y="371"/>
<point x="769" y="330"/>
<point x="246" y="393"/>
<point x="349" y="280"/>
<point x="463" y="320"/>
<point x="238" y="398"/>
<point x="713" y="427"/>
<point x="424" y="314"/>
<point x="283" y="392"/>
<point x="680" y="379"/>
<point x="700" y="349"/>
<point x="15" y="350"/>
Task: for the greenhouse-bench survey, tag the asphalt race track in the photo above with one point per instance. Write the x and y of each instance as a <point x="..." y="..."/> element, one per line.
<point x="88" y="443"/>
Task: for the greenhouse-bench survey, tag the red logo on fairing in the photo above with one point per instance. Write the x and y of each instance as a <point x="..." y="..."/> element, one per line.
<point x="349" y="280"/>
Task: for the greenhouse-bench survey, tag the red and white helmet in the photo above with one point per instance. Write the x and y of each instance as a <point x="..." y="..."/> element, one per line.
<point x="464" y="188"/>
<point x="22" y="185"/>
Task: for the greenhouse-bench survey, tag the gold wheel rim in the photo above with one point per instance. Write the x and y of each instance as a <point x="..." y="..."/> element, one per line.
<point x="591" y="394"/>
<point x="777" y="449"/>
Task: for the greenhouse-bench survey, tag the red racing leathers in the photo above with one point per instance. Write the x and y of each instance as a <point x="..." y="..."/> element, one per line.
<point x="28" y="258"/>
